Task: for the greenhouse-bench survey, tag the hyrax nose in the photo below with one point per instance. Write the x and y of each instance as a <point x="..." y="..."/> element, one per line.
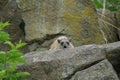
<point x="65" y="46"/>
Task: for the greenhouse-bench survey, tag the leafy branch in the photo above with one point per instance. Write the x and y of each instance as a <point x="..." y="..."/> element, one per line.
<point x="10" y="59"/>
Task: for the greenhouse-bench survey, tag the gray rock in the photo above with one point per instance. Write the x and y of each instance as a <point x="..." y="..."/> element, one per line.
<point x="9" y="12"/>
<point x="101" y="71"/>
<point x="108" y="24"/>
<point x="66" y="64"/>
<point x="51" y="65"/>
<point x="76" y="18"/>
<point x="33" y="47"/>
<point x="118" y="23"/>
<point x="113" y="54"/>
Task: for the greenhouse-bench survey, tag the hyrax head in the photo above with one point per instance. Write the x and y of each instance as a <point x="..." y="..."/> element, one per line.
<point x="64" y="42"/>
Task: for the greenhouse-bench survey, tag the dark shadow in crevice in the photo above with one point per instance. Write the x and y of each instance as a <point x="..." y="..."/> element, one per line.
<point x="22" y="26"/>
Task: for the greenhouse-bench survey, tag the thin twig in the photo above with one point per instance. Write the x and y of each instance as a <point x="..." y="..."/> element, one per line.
<point x="103" y="11"/>
<point x="110" y="24"/>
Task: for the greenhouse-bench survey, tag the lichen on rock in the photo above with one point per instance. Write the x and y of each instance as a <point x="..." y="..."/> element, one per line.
<point x="44" y="17"/>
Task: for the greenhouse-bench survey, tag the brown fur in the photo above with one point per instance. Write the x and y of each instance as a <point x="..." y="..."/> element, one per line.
<point x="61" y="42"/>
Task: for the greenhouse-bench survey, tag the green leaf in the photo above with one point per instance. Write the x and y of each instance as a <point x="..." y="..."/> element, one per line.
<point x="10" y="44"/>
<point x="3" y="36"/>
<point x="9" y="60"/>
<point x="15" y="56"/>
<point x="14" y="53"/>
<point x="2" y="66"/>
<point x="112" y="8"/>
<point x="98" y="4"/>
<point x="10" y="76"/>
<point x="3" y="25"/>
<point x="20" y="59"/>
<point x="21" y="74"/>
<point x="21" y="44"/>
<point x="22" y="78"/>
<point x="2" y="74"/>
<point x="12" y="66"/>
<point x="2" y="56"/>
<point x="17" y="60"/>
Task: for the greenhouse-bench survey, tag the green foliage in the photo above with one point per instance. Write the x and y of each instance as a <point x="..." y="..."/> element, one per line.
<point x="3" y="35"/>
<point x="3" y="25"/>
<point x="98" y="4"/>
<point x="10" y="59"/>
<point x="112" y="5"/>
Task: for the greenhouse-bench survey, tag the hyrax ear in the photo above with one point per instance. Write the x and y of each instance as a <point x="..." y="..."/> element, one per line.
<point x="58" y="41"/>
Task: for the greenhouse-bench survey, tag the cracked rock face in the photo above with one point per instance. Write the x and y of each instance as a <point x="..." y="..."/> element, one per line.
<point x="101" y="71"/>
<point x="86" y="62"/>
<point x="76" y="18"/>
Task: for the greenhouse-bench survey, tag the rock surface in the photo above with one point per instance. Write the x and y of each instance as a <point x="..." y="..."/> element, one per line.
<point x="108" y="25"/>
<point x="76" y="18"/>
<point x="118" y="23"/>
<point x="10" y="12"/>
<point x="113" y="54"/>
<point x="101" y="71"/>
<point x="50" y="64"/>
<point x="67" y="64"/>
<point x="46" y="18"/>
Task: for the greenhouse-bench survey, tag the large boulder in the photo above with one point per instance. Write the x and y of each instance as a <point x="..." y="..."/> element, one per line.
<point x="75" y="18"/>
<point x="69" y="63"/>
<point x="50" y="65"/>
<point x="101" y="71"/>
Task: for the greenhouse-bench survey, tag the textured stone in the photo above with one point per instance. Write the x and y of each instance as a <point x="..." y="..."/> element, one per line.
<point x="108" y="25"/>
<point x="33" y="46"/>
<point x="76" y="18"/>
<point x="113" y="54"/>
<point x="118" y="22"/>
<point x="66" y="64"/>
<point x="101" y="71"/>
<point x="10" y="12"/>
<point x="51" y="65"/>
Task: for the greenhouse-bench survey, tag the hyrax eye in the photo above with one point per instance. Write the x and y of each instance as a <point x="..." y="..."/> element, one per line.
<point x="62" y="43"/>
<point x="58" y="41"/>
<point x="67" y="43"/>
